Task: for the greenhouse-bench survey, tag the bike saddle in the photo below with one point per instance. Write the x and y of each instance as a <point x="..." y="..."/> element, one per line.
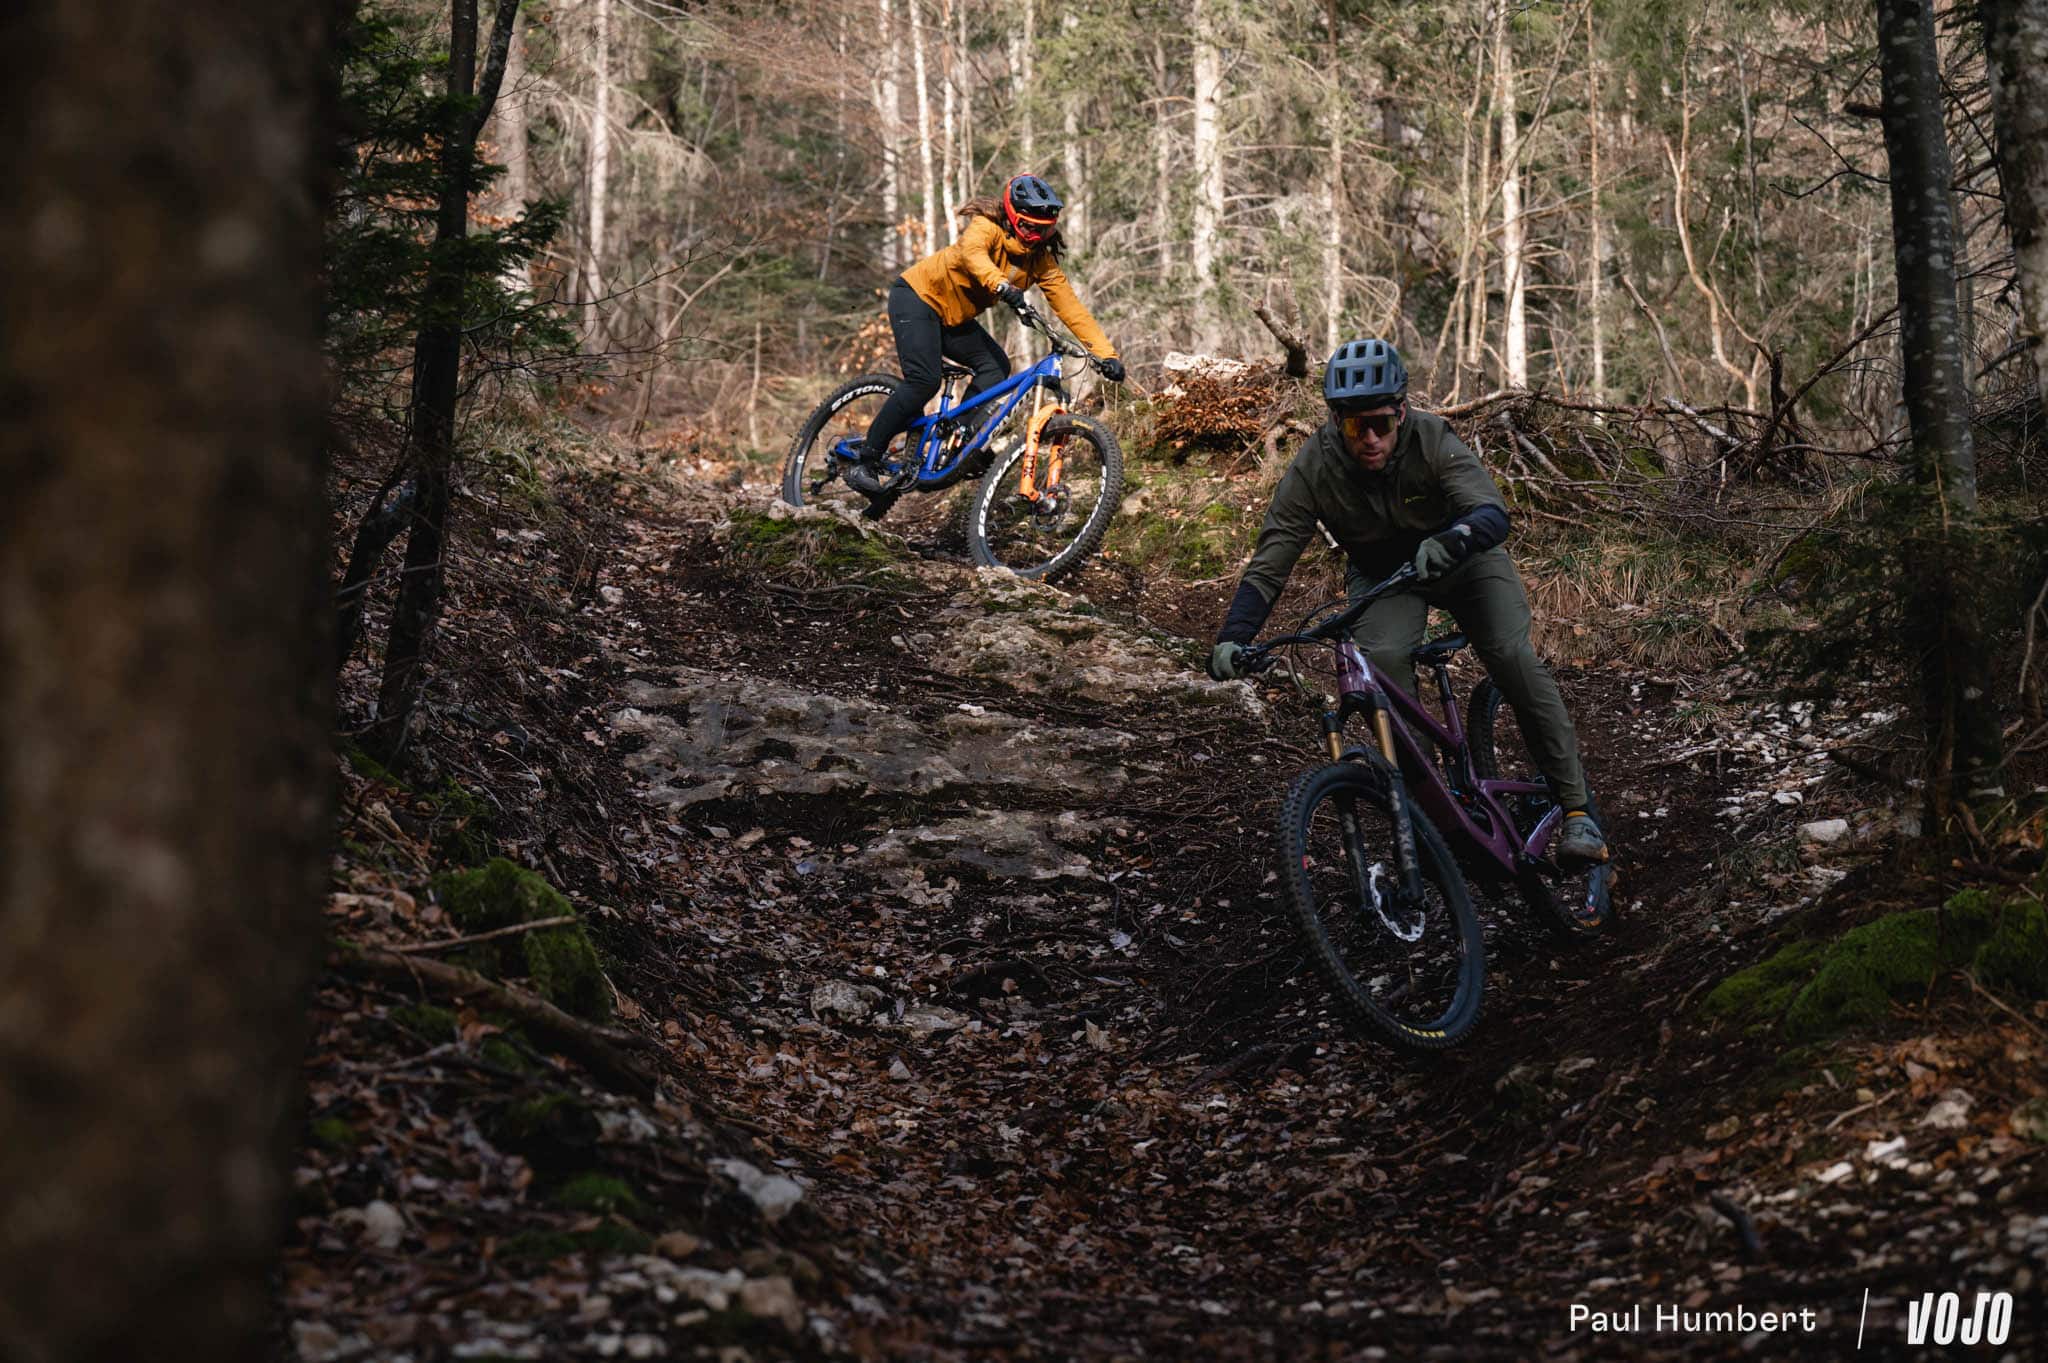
<point x="947" y="366"/>
<point x="1440" y="650"/>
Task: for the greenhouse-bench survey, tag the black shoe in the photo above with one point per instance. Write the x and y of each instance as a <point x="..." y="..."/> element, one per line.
<point x="864" y="477"/>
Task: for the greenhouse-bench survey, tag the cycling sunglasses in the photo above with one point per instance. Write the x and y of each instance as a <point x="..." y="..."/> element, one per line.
<point x="1035" y="229"/>
<point x="1382" y="423"/>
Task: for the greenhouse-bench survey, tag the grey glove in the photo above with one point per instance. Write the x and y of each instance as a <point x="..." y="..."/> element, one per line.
<point x="1223" y="661"/>
<point x="1439" y="554"/>
<point x="1011" y="294"/>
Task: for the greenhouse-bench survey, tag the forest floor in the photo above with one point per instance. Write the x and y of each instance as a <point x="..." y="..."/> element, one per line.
<point x="940" y="909"/>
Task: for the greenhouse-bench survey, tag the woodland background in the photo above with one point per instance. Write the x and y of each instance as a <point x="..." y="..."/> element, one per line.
<point x="350" y="347"/>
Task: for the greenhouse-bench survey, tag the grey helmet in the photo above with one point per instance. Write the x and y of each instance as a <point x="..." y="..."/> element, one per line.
<point x="1364" y="372"/>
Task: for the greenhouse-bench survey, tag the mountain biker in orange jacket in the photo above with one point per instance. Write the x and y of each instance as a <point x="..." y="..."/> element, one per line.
<point x="1011" y="242"/>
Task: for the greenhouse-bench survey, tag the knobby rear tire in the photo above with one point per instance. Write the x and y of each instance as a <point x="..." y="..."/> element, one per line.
<point x="805" y="457"/>
<point x="1080" y="433"/>
<point x="1577" y="908"/>
<point x="1368" y="785"/>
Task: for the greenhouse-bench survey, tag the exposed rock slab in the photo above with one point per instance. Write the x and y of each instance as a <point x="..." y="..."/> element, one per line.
<point x="713" y="736"/>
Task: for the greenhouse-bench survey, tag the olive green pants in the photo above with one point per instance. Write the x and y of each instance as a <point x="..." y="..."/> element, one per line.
<point x="1485" y="596"/>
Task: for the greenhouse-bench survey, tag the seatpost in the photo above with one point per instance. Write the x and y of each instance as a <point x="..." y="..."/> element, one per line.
<point x="1443" y="691"/>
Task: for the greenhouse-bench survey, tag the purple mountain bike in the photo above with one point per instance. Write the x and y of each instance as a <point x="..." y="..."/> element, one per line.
<point x="1376" y="845"/>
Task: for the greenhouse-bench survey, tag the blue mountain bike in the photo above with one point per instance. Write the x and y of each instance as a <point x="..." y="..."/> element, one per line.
<point x="1049" y="484"/>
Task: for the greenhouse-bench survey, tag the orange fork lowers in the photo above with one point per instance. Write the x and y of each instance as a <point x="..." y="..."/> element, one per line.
<point x="1027" y="486"/>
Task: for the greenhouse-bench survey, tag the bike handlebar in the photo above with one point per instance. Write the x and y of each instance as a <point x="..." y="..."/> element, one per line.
<point x="1032" y="318"/>
<point x="1258" y="657"/>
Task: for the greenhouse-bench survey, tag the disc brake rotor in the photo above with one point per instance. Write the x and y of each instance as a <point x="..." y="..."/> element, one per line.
<point x="1383" y="904"/>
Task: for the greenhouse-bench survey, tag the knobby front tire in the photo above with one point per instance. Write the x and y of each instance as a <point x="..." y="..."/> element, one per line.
<point x="1578" y="907"/>
<point x="1038" y="540"/>
<point x="1414" y="978"/>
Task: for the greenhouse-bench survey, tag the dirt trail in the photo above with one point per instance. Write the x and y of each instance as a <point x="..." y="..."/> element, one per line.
<point x="963" y="914"/>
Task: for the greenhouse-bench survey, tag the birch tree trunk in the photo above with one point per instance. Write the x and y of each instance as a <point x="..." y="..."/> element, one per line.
<point x="888" y="113"/>
<point x="2016" y="40"/>
<point x="509" y="129"/>
<point x="1944" y="628"/>
<point x="966" y="67"/>
<point x="165" y="625"/>
<point x="1162" y="161"/>
<point x="924" y="126"/>
<point x="1597" y="268"/>
<point x="600" y="162"/>
<point x="1333" y="195"/>
<point x="949" y="175"/>
<point x="1515" y="326"/>
<point x="1476" y="193"/>
<point x="1073" y="166"/>
<point x="1208" y="150"/>
<point x="1020" y="70"/>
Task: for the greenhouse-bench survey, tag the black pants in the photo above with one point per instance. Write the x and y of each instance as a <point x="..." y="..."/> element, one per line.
<point x="920" y="341"/>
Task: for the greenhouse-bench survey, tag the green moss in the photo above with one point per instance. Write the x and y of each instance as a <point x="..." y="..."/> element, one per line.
<point x="596" y="1193"/>
<point x="1760" y="994"/>
<point x="560" y="963"/>
<point x="459" y="822"/>
<point x="553" y="1131"/>
<point x="1894" y="959"/>
<point x="826" y="546"/>
<point x="506" y="1054"/>
<point x="435" y="1024"/>
<point x="2015" y="956"/>
<point x="332" y="1133"/>
<point x="1818" y="989"/>
<point x="368" y="766"/>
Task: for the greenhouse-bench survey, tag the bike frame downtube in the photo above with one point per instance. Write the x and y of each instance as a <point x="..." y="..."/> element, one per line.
<point x="1010" y="392"/>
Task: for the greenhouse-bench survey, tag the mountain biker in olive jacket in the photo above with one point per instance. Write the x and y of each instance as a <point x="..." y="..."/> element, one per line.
<point x="1394" y="486"/>
<point x="1011" y="243"/>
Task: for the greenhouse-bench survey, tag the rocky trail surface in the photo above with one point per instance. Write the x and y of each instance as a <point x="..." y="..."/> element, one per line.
<point x="940" y="906"/>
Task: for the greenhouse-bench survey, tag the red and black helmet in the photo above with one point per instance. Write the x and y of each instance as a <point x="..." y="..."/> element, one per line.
<point x="1032" y="208"/>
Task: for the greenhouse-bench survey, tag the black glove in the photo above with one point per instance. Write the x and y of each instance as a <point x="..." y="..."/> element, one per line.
<point x="1112" y="369"/>
<point x="1011" y="294"/>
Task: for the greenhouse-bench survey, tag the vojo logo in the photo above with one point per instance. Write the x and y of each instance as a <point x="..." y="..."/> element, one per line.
<point x="1939" y="1319"/>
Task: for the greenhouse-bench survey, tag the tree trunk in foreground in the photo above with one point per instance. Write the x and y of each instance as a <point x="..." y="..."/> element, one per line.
<point x="1945" y="629"/>
<point x="164" y="669"/>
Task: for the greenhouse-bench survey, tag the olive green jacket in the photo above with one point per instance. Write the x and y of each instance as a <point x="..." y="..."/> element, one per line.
<point x="1379" y="519"/>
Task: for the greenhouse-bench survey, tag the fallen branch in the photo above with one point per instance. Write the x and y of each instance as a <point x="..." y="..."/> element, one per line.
<point x="1727" y="442"/>
<point x="601" y="1050"/>
<point x="2010" y="1011"/>
<point x="513" y="931"/>
<point x="1291" y="341"/>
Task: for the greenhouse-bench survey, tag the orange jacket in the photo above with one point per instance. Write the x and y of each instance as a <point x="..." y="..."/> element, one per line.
<point x="960" y="281"/>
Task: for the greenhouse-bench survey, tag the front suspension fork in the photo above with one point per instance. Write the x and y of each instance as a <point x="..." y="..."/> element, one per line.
<point x="1407" y="857"/>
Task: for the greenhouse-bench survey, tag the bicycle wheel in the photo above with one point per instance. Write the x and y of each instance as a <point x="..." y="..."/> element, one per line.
<point x="1579" y="905"/>
<point x="1412" y="973"/>
<point x="811" y="473"/>
<point x="1052" y="534"/>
